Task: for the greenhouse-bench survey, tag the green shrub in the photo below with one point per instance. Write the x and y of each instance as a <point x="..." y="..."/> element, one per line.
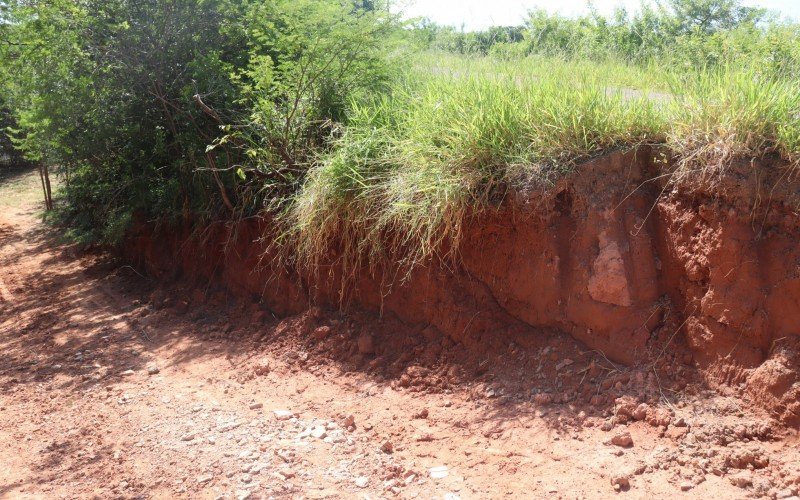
<point x="166" y="108"/>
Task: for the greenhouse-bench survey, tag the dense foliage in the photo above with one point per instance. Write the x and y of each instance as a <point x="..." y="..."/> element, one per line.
<point x="165" y="107"/>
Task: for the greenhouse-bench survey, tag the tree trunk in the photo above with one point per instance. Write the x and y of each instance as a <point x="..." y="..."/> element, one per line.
<point x="44" y="175"/>
<point x="44" y="186"/>
<point x="48" y="190"/>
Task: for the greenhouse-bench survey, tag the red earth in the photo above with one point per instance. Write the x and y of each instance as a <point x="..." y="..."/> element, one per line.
<point x="117" y="384"/>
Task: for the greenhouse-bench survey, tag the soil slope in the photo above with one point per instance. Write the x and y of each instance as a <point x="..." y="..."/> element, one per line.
<point x="114" y="385"/>
<point x="702" y="273"/>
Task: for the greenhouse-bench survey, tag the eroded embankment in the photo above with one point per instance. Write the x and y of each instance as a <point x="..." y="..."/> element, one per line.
<point x="630" y="265"/>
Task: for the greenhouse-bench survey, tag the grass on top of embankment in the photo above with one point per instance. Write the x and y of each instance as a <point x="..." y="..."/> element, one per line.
<point x="456" y="133"/>
<point x="734" y="113"/>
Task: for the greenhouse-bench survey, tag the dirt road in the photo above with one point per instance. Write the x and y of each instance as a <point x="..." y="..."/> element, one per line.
<point x="110" y="390"/>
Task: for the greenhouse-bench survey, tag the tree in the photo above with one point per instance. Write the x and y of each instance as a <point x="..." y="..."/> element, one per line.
<point x="709" y="16"/>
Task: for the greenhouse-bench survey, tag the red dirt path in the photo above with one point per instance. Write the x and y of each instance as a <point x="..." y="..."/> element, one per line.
<point x="108" y="390"/>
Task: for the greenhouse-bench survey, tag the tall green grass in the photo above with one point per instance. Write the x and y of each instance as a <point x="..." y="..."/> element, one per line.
<point x="736" y="112"/>
<point x="456" y="135"/>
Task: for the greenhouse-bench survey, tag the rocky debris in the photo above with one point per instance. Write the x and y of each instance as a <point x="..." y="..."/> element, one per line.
<point x="261" y="367"/>
<point x="152" y="369"/>
<point x="748" y="456"/>
<point x="563" y="364"/>
<point x="659" y="417"/>
<point x="641" y="411"/>
<point x="743" y="479"/>
<point x="319" y="432"/>
<point x="776" y="383"/>
<point x="335" y="436"/>
<point x="676" y="433"/>
<point x="387" y="447"/>
<point x="362" y="481"/>
<point x="423" y="414"/>
<point x="628" y="409"/>
<point x="621" y="481"/>
<point x="127" y="373"/>
<point x="188" y="436"/>
<point x="256" y="406"/>
<point x="625" y="407"/>
<point x="622" y="439"/>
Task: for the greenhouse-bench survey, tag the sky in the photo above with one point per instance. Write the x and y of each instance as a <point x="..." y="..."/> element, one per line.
<point x="479" y="14"/>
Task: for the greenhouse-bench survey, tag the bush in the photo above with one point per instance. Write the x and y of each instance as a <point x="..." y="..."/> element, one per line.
<point x="177" y="108"/>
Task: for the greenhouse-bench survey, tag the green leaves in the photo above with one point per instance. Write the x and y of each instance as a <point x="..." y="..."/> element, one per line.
<point x="308" y="60"/>
<point x="103" y="88"/>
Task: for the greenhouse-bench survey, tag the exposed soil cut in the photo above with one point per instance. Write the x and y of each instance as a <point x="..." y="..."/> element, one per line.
<point x="703" y="273"/>
<point x="209" y="376"/>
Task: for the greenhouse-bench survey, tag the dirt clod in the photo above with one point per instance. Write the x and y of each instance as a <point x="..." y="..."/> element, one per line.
<point x="622" y="439"/>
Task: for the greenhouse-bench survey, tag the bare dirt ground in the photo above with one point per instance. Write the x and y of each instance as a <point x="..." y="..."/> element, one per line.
<point x="112" y="386"/>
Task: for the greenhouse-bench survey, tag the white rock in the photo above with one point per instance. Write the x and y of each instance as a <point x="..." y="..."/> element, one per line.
<point x="362" y="481"/>
<point x="282" y="414"/>
<point x="439" y="472"/>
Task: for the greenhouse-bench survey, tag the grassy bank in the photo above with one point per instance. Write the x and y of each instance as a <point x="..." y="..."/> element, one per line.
<point x="456" y="133"/>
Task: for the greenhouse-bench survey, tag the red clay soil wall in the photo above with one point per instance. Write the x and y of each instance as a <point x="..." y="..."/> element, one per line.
<point x="610" y="255"/>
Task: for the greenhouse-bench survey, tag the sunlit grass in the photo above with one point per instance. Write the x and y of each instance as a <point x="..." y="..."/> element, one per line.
<point x="20" y="188"/>
<point x="456" y="134"/>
